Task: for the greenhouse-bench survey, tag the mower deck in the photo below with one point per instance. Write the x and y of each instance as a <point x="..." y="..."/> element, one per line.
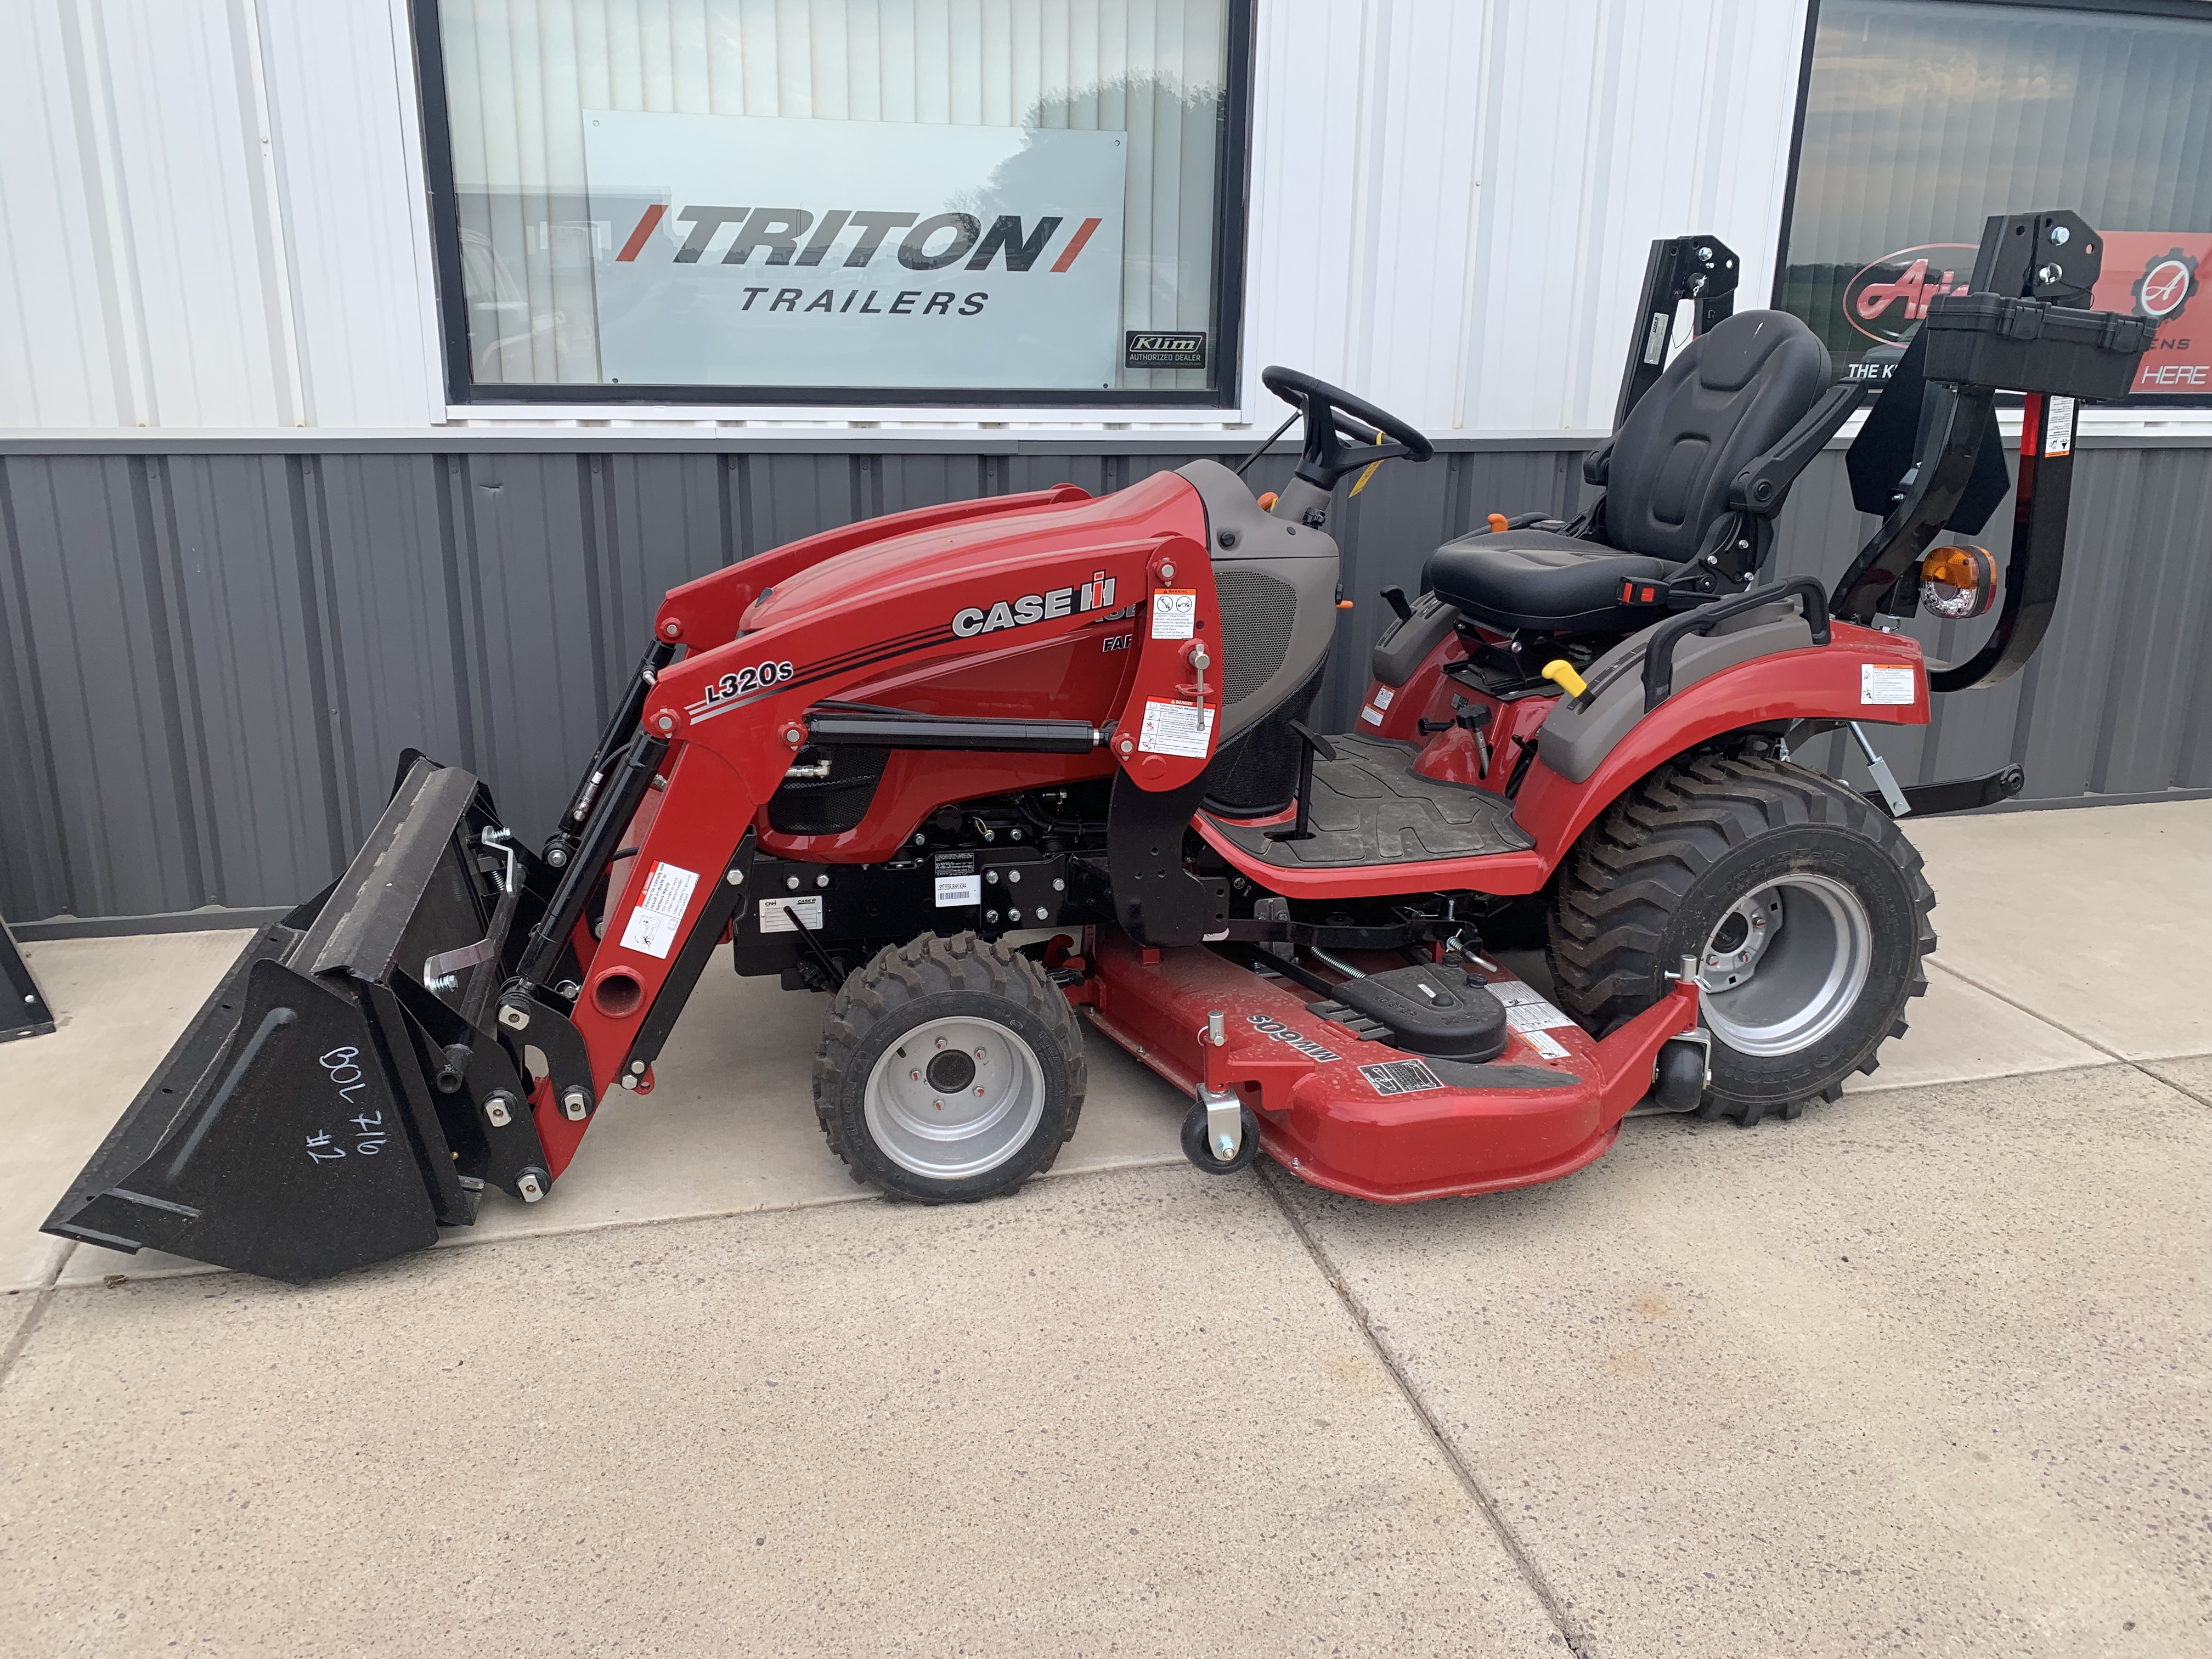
<point x="1371" y="807"/>
<point x="1364" y="1118"/>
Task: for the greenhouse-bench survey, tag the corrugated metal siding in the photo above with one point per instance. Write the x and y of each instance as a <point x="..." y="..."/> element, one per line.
<point x="209" y="663"/>
<point x="1449" y="203"/>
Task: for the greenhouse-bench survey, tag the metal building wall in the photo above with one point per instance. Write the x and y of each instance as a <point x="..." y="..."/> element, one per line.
<point x="209" y="660"/>
<point x="212" y="212"/>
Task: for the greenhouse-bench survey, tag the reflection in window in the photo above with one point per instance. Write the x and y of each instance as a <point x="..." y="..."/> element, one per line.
<point x="1922" y="119"/>
<point x="539" y="245"/>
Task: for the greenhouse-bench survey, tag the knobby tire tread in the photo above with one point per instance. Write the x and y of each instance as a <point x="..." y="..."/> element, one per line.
<point x="899" y="975"/>
<point x="1635" y="867"/>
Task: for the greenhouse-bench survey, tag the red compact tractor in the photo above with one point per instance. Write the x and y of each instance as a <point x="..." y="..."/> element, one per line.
<point x="990" y="773"/>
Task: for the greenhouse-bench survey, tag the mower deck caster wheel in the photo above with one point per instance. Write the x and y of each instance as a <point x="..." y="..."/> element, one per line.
<point x="1679" y="1079"/>
<point x="1195" y="1147"/>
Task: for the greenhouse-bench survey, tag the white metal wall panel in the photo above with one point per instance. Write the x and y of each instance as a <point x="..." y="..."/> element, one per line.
<point x="57" y="368"/>
<point x="341" y="92"/>
<point x="1611" y="123"/>
<point x="1453" y="201"/>
<point x="185" y="177"/>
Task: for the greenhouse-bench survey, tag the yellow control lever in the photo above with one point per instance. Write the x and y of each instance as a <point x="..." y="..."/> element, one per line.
<point x="1561" y="673"/>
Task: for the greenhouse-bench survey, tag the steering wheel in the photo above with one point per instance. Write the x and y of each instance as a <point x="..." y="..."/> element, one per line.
<point x="1332" y="414"/>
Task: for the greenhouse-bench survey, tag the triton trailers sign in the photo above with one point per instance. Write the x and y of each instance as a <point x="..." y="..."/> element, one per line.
<point x="747" y="251"/>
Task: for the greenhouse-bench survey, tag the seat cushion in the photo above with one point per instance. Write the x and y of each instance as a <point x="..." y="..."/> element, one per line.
<point x="1541" y="580"/>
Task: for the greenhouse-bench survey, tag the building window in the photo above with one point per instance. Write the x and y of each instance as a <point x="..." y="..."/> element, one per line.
<point x="1920" y="120"/>
<point x="838" y="200"/>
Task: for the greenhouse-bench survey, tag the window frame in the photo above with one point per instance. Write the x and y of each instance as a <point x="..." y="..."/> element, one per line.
<point x="2195" y="10"/>
<point x="1232" y="185"/>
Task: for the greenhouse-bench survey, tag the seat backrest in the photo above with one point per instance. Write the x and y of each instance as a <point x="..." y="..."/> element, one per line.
<point x="1730" y="396"/>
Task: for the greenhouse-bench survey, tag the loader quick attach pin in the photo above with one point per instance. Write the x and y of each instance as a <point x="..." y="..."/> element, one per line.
<point x="1199" y="662"/>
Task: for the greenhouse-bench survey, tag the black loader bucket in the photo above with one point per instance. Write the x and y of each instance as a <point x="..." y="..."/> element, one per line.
<point x="333" y="1102"/>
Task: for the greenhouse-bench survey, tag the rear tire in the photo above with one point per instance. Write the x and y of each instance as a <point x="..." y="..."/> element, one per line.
<point x="951" y="1069"/>
<point x="1805" y="906"/>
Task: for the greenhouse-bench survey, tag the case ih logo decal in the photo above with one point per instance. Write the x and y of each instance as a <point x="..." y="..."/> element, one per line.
<point x="1097" y="594"/>
<point x="1886" y="299"/>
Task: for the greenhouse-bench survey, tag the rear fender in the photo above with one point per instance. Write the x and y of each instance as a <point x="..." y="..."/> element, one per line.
<point x="1817" y="683"/>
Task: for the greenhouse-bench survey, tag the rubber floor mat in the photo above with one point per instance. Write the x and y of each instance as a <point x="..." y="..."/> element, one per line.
<point x="1371" y="807"/>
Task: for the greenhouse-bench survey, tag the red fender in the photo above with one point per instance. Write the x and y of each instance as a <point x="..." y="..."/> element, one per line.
<point x="1821" y="682"/>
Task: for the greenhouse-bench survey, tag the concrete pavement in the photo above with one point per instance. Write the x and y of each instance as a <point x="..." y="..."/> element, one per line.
<point x="1652" y="1409"/>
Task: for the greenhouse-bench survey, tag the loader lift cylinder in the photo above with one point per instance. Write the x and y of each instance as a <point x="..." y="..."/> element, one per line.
<point x="541" y="954"/>
<point x="622" y="725"/>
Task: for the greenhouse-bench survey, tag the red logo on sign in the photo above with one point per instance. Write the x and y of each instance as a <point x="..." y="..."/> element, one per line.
<point x="2166" y="285"/>
<point x="1884" y="300"/>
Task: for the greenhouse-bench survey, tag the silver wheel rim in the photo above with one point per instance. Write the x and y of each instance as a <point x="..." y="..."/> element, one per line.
<point x="1786" y="964"/>
<point x="955" y="1098"/>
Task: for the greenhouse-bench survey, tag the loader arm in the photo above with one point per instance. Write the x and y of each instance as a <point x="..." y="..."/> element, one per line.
<point x="721" y="729"/>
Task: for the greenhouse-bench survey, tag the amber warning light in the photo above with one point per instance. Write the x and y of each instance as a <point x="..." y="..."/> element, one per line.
<point x="1958" y="581"/>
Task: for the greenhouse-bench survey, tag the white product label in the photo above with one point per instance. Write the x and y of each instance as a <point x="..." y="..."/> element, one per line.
<point x="959" y="890"/>
<point x="652" y="927"/>
<point x="1382" y="696"/>
<point x="1884" y="684"/>
<point x="1526" y="1011"/>
<point x="1372" y="715"/>
<point x="1548" y="1047"/>
<point x="1175" y="613"/>
<point x="2058" y="429"/>
<point x="1176" y="728"/>
<point x="1400" y="1077"/>
<point x="776" y="911"/>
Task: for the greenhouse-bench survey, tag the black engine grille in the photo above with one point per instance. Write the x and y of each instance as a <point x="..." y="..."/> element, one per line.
<point x="832" y="805"/>
<point x="1257" y="612"/>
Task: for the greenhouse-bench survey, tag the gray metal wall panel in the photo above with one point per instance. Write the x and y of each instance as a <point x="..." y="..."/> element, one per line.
<point x="212" y="660"/>
<point x="96" y="598"/>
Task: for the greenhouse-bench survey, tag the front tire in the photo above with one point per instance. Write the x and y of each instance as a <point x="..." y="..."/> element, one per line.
<point x="1805" y="906"/>
<point x="951" y="1069"/>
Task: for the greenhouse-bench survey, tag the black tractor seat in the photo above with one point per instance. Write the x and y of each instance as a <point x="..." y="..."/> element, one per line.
<point x="1540" y="579"/>
<point x="1701" y="466"/>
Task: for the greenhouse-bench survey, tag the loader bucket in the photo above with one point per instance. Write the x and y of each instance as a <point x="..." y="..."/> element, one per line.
<point x="295" y="1129"/>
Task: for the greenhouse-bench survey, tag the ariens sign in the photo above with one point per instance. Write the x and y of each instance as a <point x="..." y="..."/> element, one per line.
<point x="759" y="252"/>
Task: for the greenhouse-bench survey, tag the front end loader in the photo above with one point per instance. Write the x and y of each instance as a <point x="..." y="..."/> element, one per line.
<point x="995" y="774"/>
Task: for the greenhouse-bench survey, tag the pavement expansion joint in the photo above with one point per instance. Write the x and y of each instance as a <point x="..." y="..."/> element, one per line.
<point x="2060" y="1025"/>
<point x="41" y="1298"/>
<point x="1577" y="1639"/>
